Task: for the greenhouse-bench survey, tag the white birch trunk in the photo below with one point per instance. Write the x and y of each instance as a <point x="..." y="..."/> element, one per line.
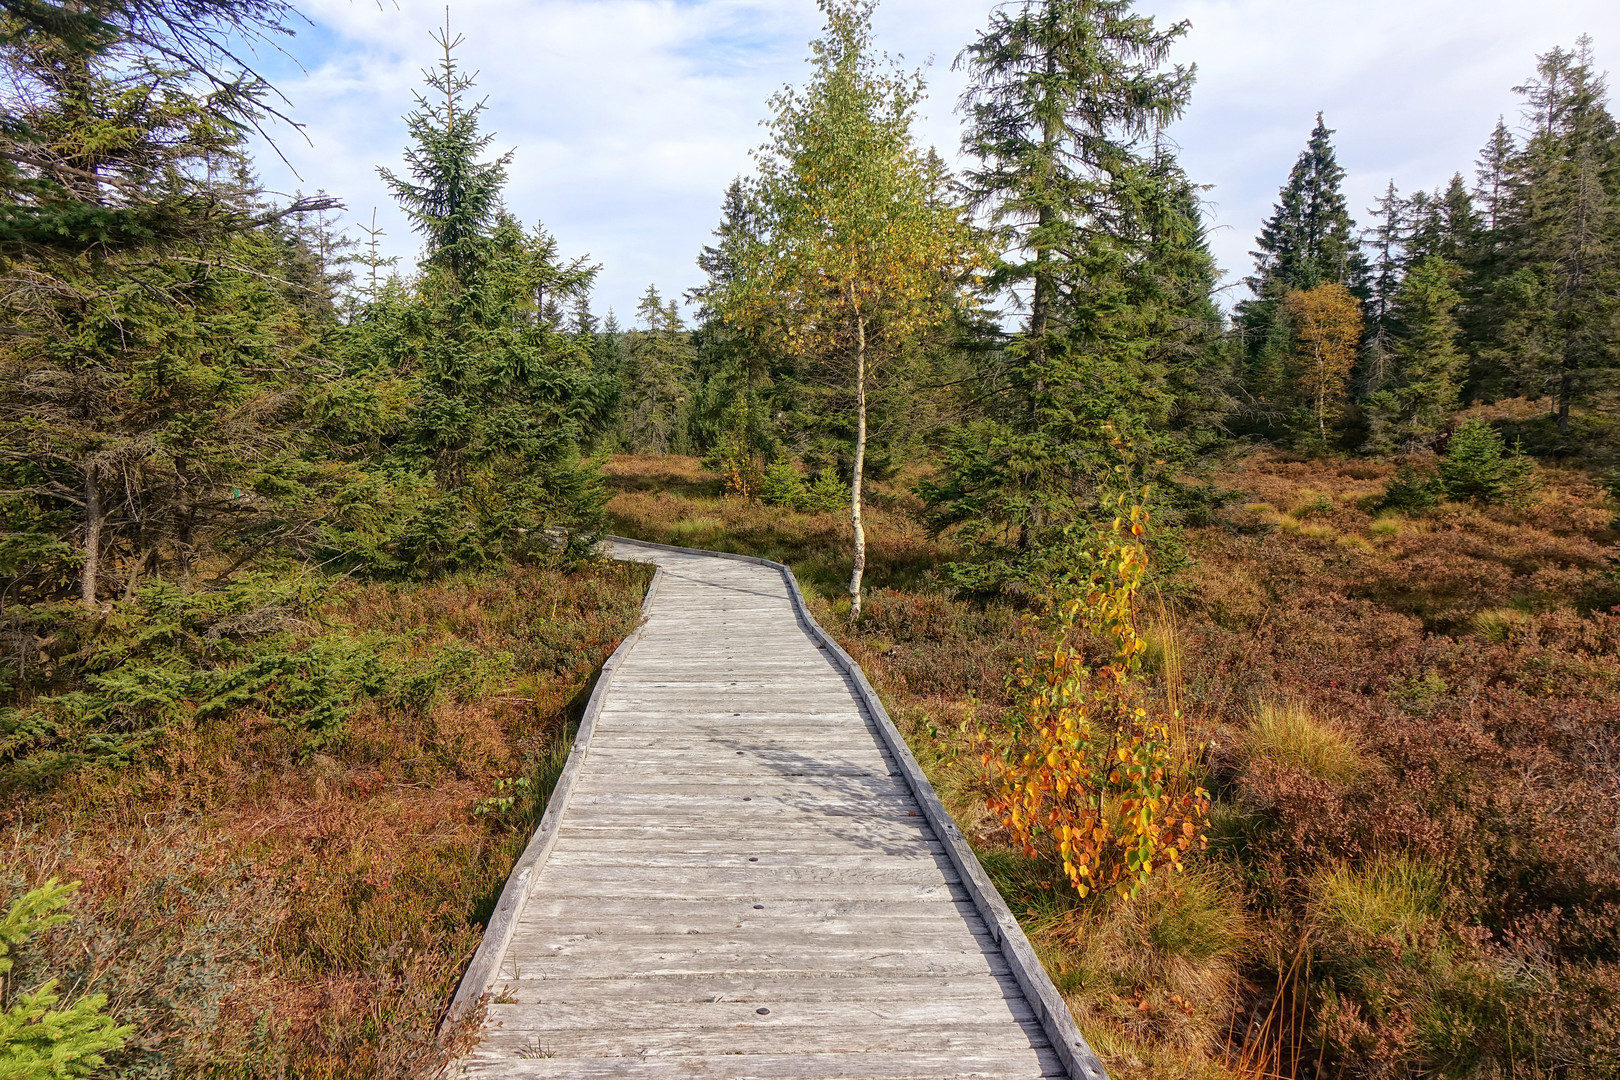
<point x="860" y="471"/>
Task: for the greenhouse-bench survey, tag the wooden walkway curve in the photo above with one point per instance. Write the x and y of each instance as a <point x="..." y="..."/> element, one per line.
<point x="743" y="874"/>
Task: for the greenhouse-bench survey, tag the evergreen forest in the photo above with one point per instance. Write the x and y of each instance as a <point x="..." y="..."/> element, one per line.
<point x="301" y="593"/>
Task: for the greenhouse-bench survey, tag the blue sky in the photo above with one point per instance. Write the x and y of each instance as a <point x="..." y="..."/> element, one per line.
<point x="630" y="117"/>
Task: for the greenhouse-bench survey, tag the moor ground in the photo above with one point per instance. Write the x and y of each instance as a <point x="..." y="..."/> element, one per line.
<point x="1411" y="725"/>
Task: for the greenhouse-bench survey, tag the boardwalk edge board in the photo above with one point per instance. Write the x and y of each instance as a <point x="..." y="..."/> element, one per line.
<point x="1054" y="1015"/>
<point x="479" y="978"/>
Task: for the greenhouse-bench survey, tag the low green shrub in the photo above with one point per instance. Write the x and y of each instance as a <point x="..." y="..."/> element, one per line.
<point x="826" y="495"/>
<point x="1411" y="489"/>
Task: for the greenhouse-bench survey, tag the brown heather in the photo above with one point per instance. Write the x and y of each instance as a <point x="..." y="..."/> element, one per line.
<point x="258" y="913"/>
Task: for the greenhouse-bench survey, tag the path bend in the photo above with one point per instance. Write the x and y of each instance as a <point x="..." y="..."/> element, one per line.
<point x="743" y="874"/>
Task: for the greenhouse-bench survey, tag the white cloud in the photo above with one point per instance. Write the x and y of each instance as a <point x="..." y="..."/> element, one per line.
<point x="629" y="117"/>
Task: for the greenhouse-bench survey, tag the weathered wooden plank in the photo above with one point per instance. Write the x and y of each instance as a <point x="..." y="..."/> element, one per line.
<point x="803" y="789"/>
<point x="763" y="858"/>
<point x="742" y="875"/>
<point x="702" y="960"/>
<point x="1003" y="1035"/>
<point x="550" y="908"/>
<point x="742" y="803"/>
<point x="917" y="1065"/>
<point x="583" y="890"/>
<point x="631" y="843"/>
<point x="635" y="1014"/>
<point x="857" y="989"/>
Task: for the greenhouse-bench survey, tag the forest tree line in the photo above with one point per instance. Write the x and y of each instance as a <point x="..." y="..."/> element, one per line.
<point x="199" y="378"/>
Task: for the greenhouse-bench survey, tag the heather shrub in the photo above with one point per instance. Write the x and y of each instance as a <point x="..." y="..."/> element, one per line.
<point x="258" y="904"/>
<point x="1420" y="887"/>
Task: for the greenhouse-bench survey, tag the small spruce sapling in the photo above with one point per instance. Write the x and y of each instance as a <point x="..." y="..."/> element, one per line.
<point x="826" y="495"/>
<point x="1479" y="466"/>
<point x="782" y="485"/>
<point x="38" y="1040"/>
<point x="1411" y="489"/>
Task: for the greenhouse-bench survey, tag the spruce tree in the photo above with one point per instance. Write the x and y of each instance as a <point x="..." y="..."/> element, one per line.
<point x="741" y="360"/>
<point x="41" y="1037"/>
<point x="1309" y="241"/>
<point x="1064" y="95"/>
<point x="452" y="198"/>
<point x="1492" y="176"/>
<point x="1429" y="366"/>
<point x="660" y="361"/>
<point x="1446" y="226"/>
<point x="109" y="107"/>
<point x="1484" y="312"/>
<point x="1310" y="238"/>
<point x="152" y="364"/>
<point x="1102" y="236"/>
<point x="1559" y="285"/>
<point x="502" y="395"/>
<point x="1387" y="240"/>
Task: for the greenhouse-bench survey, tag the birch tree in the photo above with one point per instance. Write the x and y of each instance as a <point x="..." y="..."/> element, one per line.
<point x="1327" y="332"/>
<point x="859" y="249"/>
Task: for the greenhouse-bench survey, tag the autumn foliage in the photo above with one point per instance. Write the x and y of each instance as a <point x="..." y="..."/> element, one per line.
<point x="1327" y="340"/>
<point x="1092" y="774"/>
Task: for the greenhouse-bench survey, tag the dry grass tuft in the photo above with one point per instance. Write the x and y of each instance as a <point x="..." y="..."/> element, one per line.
<point x="1285" y="733"/>
<point x="1394" y="898"/>
<point x="1497" y="625"/>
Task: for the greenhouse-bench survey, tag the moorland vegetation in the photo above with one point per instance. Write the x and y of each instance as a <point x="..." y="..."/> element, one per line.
<point x="1269" y="656"/>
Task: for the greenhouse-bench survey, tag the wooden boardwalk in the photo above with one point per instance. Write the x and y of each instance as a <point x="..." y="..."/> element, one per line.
<point x="740" y="878"/>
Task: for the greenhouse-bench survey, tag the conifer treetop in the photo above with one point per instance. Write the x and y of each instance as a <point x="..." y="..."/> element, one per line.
<point x="452" y="198"/>
<point x="1310" y="238"/>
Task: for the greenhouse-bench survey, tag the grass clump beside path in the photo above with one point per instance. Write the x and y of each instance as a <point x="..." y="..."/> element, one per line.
<point x="1412" y="737"/>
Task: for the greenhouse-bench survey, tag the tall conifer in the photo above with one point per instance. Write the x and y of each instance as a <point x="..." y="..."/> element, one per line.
<point x="1308" y="241"/>
<point x="1429" y="364"/>
<point x="1387" y="239"/>
<point x="451" y="197"/>
<point x="1103" y="239"/>
<point x="1310" y="238"/>
<point x="502" y="393"/>
<point x="1559" y="287"/>
<point x="660" y="359"/>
